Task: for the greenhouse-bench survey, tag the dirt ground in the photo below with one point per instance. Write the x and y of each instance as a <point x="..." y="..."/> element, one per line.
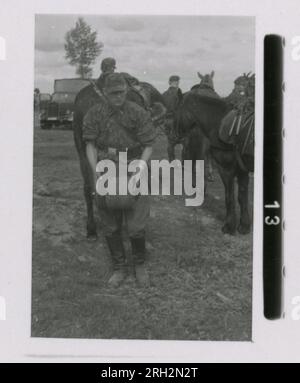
<point x="201" y="279"/>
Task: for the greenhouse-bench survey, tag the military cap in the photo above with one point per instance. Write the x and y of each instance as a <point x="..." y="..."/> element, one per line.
<point x="174" y="78"/>
<point x="115" y="82"/>
<point x="108" y="62"/>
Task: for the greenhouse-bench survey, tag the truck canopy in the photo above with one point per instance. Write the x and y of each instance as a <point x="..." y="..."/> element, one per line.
<point x="70" y="85"/>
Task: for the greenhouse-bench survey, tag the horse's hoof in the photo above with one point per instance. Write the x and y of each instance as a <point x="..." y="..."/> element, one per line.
<point x="227" y="229"/>
<point x="244" y="229"/>
<point x="92" y="237"/>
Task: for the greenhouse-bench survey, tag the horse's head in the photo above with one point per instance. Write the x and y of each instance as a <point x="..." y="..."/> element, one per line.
<point x="244" y="85"/>
<point x="206" y="80"/>
<point x="250" y="86"/>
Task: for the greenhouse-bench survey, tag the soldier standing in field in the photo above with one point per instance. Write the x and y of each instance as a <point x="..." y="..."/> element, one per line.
<point x="172" y="98"/>
<point x="173" y="95"/>
<point x="113" y="126"/>
<point x="108" y="66"/>
<point x="36" y="107"/>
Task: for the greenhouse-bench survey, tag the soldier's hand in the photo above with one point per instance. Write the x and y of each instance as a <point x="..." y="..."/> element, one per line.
<point x="135" y="179"/>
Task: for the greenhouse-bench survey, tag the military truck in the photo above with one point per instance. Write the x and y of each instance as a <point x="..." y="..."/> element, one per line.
<point x="44" y="100"/>
<point x="58" y="111"/>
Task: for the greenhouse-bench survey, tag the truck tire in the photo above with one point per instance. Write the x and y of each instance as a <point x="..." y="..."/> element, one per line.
<point x="45" y="125"/>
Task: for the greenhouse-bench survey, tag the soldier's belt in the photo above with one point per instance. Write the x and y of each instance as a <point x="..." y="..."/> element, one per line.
<point x="131" y="152"/>
<point x="170" y="115"/>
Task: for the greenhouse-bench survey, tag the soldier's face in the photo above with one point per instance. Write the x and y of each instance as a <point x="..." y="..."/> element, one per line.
<point x="111" y="69"/>
<point x="116" y="98"/>
<point x="174" y="84"/>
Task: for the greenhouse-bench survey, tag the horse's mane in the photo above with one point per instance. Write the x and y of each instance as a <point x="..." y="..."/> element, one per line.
<point x="194" y="98"/>
<point x="201" y="86"/>
<point x="147" y="85"/>
<point x="156" y="96"/>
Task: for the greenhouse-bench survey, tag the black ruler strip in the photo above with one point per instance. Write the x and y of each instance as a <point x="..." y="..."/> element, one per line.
<point x="272" y="176"/>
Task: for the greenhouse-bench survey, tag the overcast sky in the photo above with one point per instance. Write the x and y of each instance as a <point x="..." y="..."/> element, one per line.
<point x="152" y="48"/>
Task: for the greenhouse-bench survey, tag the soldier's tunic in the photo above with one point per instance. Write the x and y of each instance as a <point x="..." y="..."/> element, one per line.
<point x="127" y="129"/>
<point x="36" y="106"/>
<point x="172" y="98"/>
<point x="101" y="81"/>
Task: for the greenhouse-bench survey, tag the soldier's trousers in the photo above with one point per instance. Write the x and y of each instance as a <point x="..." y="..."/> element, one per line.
<point x="135" y="219"/>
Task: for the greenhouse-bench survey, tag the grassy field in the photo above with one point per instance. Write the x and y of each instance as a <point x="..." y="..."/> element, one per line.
<point x="201" y="279"/>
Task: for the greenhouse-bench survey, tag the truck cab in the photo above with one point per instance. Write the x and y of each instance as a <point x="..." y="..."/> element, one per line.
<point x="58" y="111"/>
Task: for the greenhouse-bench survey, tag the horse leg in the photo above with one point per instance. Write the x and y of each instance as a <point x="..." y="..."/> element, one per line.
<point x="86" y="172"/>
<point x="171" y="150"/>
<point x="193" y="154"/>
<point x="203" y="150"/>
<point x="210" y="176"/>
<point x="227" y="176"/>
<point x="243" y="183"/>
<point x="91" y="226"/>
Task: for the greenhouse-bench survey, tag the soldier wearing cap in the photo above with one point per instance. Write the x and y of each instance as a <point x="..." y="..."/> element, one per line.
<point x="36" y="105"/>
<point x="108" y="66"/>
<point x="118" y="125"/>
<point x="173" y="95"/>
<point x="172" y="98"/>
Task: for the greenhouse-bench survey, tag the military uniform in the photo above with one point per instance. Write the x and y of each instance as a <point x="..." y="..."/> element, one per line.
<point x="172" y="98"/>
<point x="108" y="66"/>
<point x="129" y="129"/>
<point x="36" y="106"/>
<point x="101" y="80"/>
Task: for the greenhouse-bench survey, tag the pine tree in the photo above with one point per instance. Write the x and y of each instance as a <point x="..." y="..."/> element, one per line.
<point x="82" y="48"/>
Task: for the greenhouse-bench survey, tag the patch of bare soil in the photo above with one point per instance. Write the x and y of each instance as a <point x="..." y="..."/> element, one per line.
<point x="201" y="279"/>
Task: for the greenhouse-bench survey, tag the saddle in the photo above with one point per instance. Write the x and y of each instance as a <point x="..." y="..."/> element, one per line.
<point x="237" y="129"/>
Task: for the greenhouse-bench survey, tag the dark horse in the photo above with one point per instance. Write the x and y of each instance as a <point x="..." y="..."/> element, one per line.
<point x="143" y="94"/>
<point x="201" y="114"/>
<point x="174" y="137"/>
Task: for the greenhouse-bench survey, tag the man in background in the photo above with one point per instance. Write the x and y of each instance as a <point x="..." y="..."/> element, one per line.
<point x="172" y="98"/>
<point x="36" y="107"/>
<point x="108" y="66"/>
<point x="173" y="95"/>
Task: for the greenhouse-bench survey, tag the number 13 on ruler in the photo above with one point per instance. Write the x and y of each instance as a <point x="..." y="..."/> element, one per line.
<point x="274" y="220"/>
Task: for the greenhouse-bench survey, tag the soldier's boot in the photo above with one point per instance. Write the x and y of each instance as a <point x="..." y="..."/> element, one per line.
<point x="138" y="246"/>
<point x="117" y="252"/>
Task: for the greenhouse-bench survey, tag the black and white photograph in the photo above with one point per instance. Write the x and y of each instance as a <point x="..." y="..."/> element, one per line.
<point x="132" y="114"/>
